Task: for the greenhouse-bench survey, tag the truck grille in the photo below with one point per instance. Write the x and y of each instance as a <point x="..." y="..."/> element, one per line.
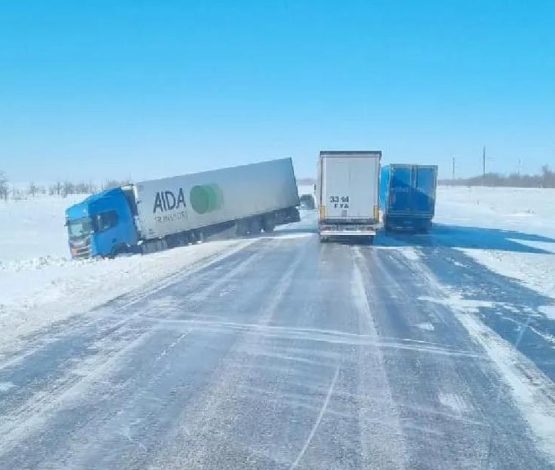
<point x="80" y="249"/>
<point x="82" y="252"/>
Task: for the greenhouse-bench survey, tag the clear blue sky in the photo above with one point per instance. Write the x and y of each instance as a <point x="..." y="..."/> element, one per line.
<point x="99" y="89"/>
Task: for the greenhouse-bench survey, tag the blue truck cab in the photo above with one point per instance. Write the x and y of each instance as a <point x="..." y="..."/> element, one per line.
<point x="407" y="196"/>
<point x="101" y="225"/>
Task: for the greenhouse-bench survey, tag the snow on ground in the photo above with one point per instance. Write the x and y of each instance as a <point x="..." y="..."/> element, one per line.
<point x="511" y="231"/>
<point x="36" y="294"/>
<point x="34" y="228"/>
<point x="39" y="284"/>
<point x="529" y="210"/>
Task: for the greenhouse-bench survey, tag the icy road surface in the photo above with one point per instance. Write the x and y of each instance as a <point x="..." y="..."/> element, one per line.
<point x="288" y="354"/>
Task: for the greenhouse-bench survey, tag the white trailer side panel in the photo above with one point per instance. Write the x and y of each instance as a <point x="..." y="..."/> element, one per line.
<point x="349" y="186"/>
<point x="172" y="205"/>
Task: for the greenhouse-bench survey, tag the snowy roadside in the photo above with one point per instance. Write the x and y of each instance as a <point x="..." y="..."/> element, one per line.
<point x="39" y="285"/>
<point x="37" y="293"/>
<point x="511" y="231"/>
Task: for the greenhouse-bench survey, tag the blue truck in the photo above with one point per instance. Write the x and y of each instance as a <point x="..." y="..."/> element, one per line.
<point x="407" y="196"/>
<point x="153" y="215"/>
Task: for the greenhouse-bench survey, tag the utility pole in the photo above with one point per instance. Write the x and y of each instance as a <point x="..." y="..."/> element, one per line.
<point x="453" y="172"/>
<point x="484" y="166"/>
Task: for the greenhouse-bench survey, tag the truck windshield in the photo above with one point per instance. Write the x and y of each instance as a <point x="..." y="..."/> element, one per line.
<point x="79" y="228"/>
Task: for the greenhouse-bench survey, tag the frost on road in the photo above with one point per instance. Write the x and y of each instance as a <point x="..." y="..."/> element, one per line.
<point x="285" y="353"/>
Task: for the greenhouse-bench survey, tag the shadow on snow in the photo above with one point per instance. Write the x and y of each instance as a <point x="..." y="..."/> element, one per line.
<point x="454" y="236"/>
<point x="511" y="309"/>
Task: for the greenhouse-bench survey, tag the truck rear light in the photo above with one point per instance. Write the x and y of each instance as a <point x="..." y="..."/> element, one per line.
<point x="322" y="212"/>
<point x="376" y="213"/>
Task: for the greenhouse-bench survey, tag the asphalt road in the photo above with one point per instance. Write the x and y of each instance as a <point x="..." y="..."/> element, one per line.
<point x="285" y="354"/>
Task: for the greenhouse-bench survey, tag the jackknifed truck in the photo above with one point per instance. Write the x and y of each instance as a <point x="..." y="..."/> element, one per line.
<point x="348" y="194"/>
<point x="153" y="215"/>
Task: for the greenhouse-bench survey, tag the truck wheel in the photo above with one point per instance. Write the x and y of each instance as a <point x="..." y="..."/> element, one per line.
<point x="117" y="250"/>
<point x="241" y="228"/>
<point x="189" y="238"/>
<point x="427" y="227"/>
<point x="323" y="239"/>
<point x="386" y="225"/>
<point x="255" y="226"/>
<point x="268" y="225"/>
<point x="197" y="236"/>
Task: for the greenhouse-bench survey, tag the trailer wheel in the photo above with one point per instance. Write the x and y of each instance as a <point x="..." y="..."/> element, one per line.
<point x="268" y="225"/>
<point x="197" y="236"/>
<point x="189" y="238"/>
<point x="426" y="227"/>
<point x="255" y="226"/>
<point x="241" y="228"/>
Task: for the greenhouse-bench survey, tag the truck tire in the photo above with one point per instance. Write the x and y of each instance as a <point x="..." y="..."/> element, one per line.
<point x="426" y="227"/>
<point x="152" y="246"/>
<point x="189" y="238"/>
<point x="241" y="228"/>
<point x="255" y="226"/>
<point x="117" y="250"/>
<point x="197" y="236"/>
<point x="268" y="225"/>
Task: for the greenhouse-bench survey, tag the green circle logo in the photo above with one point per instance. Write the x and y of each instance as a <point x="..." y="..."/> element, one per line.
<point x="206" y="198"/>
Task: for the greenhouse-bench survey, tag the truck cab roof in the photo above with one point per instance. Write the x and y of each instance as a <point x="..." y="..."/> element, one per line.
<point x="93" y="204"/>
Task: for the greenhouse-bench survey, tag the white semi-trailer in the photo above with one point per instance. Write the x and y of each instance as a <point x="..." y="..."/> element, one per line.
<point x="348" y="194"/>
<point x="151" y="215"/>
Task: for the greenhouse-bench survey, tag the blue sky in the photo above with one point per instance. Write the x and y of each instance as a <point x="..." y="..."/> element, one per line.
<point x="143" y="89"/>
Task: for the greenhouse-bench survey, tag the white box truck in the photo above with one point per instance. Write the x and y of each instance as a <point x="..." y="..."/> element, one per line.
<point x="152" y="215"/>
<point x="348" y="194"/>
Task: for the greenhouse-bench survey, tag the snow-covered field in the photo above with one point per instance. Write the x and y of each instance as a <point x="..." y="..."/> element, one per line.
<point x="511" y="231"/>
<point x="33" y="228"/>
